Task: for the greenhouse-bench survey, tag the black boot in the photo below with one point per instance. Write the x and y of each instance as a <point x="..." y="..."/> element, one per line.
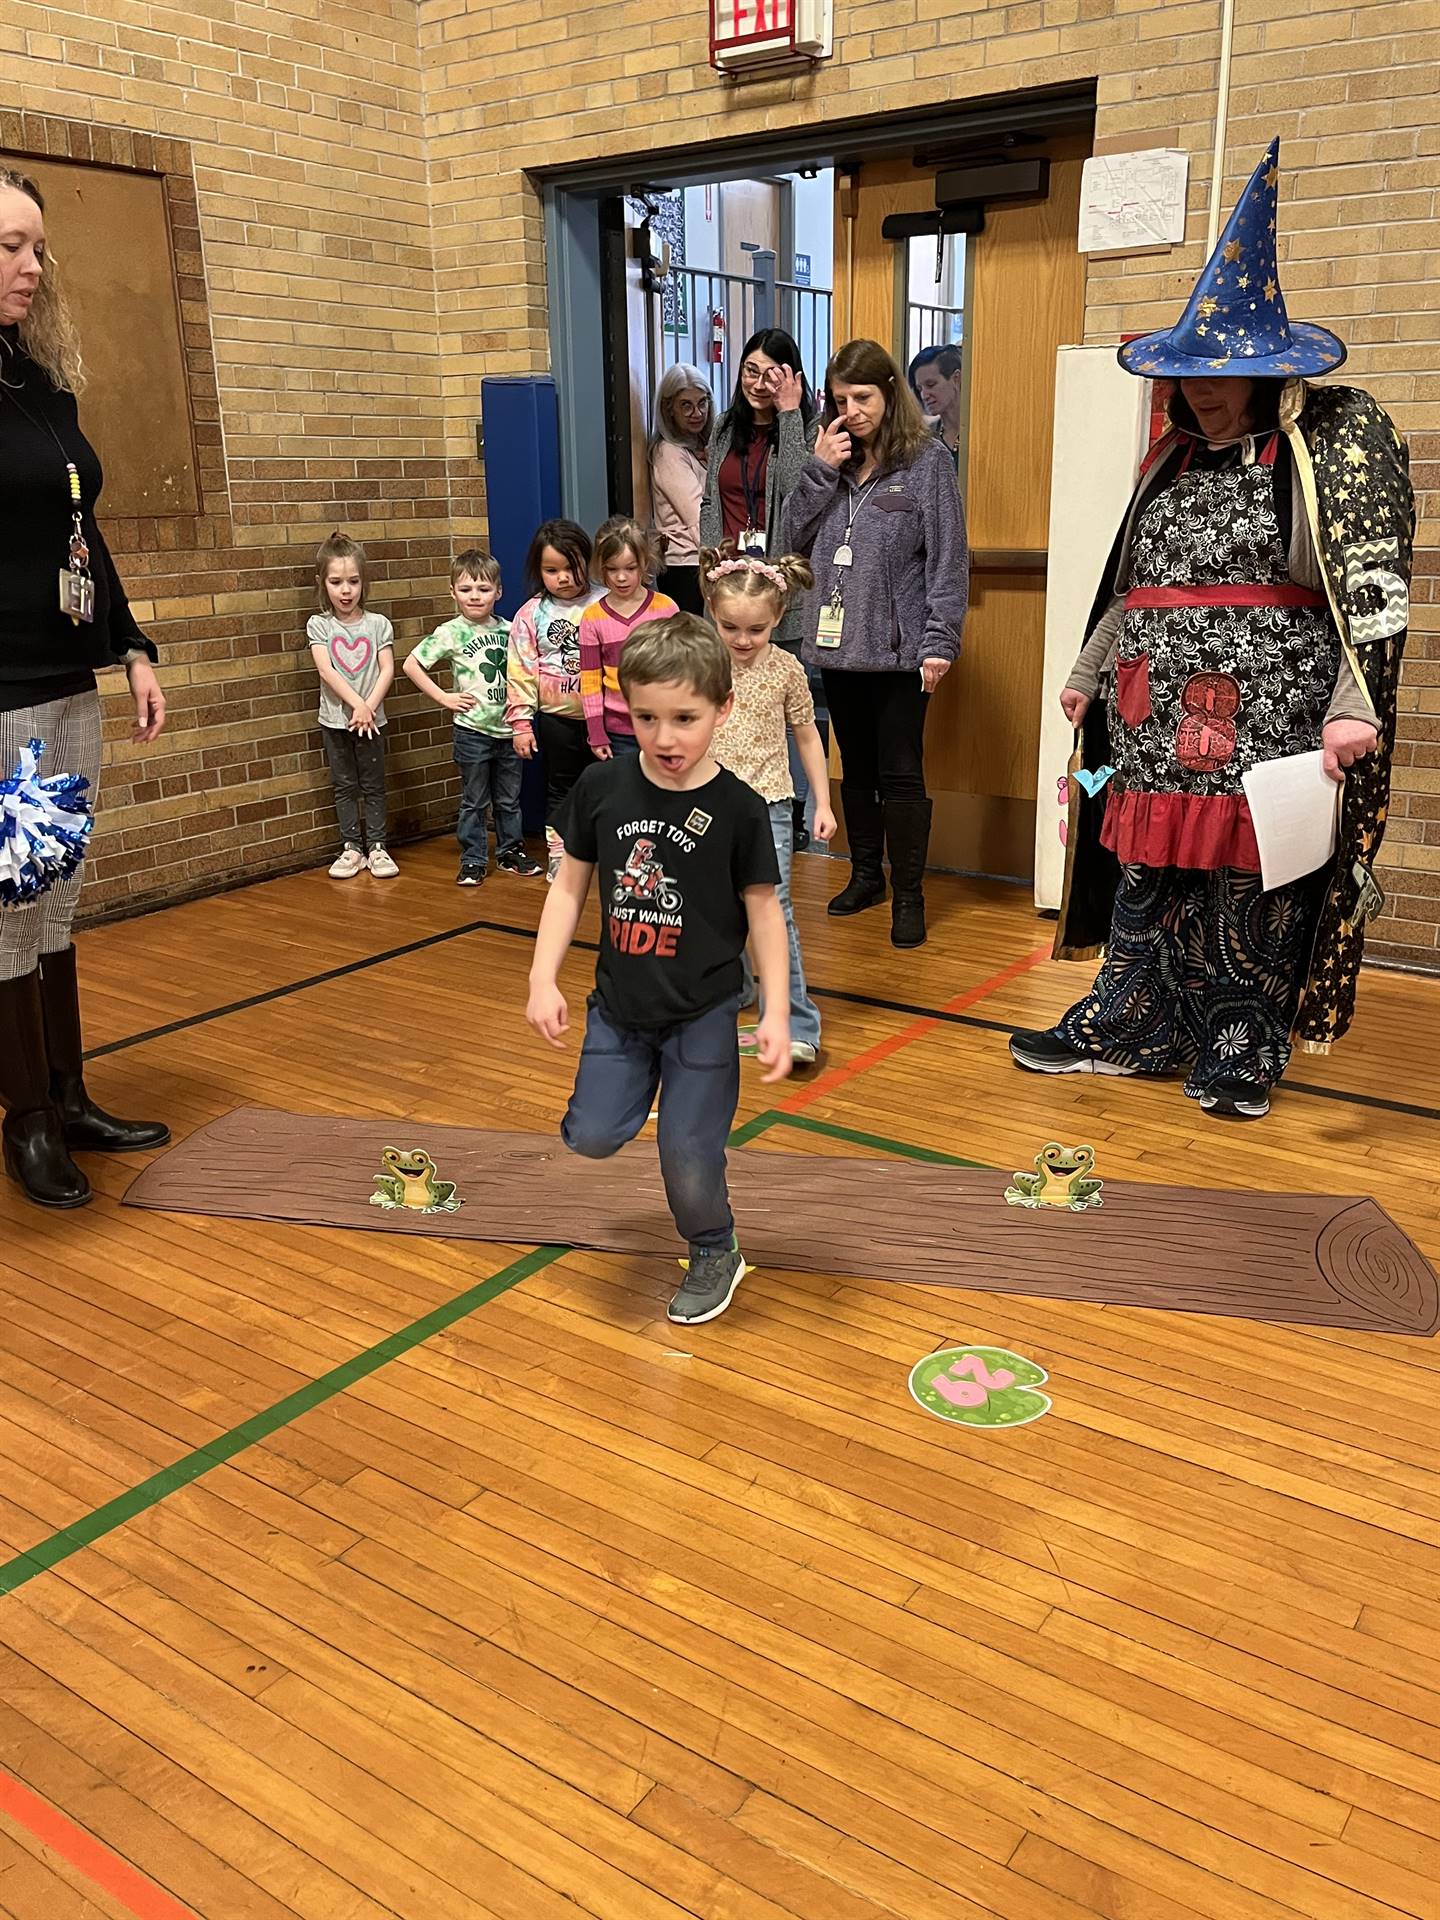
<point x="36" y="1156"/>
<point x="863" y="829"/>
<point x="907" y="838"/>
<point x="88" y="1128"/>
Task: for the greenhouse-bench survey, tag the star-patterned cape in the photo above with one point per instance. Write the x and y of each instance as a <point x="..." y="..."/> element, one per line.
<point x="1352" y="467"/>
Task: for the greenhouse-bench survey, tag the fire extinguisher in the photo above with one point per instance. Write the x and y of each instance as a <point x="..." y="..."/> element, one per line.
<point x="717" y="339"/>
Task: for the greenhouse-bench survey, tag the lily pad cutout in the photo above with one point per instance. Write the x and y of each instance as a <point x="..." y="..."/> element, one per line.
<point x="980" y="1387"/>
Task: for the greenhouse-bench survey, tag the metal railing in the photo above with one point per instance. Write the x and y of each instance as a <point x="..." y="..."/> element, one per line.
<point x="746" y="303"/>
<point x="930" y="326"/>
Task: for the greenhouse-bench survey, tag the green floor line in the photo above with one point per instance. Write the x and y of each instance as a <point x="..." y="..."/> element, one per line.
<point x="139" y="1499"/>
<point x="126" y="1506"/>
<point x="901" y="1148"/>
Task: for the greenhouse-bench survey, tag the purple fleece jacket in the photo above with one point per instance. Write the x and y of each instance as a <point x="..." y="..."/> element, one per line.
<point x="906" y="594"/>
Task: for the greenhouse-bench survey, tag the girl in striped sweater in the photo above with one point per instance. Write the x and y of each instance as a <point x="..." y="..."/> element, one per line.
<point x="625" y="559"/>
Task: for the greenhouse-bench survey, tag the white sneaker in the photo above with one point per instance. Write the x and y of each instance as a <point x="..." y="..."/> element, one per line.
<point x="381" y="865"/>
<point x="802" y="1054"/>
<point x="350" y="862"/>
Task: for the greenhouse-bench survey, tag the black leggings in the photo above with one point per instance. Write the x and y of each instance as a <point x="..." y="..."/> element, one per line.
<point x="564" y="754"/>
<point x="879" y="722"/>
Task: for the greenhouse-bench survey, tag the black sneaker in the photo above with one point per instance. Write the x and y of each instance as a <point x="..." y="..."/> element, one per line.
<point x="1047" y="1053"/>
<point x="516" y="860"/>
<point x="711" y="1277"/>
<point x="1236" y="1100"/>
<point x="469" y="876"/>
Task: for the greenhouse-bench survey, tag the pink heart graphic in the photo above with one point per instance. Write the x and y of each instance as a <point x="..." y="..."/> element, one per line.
<point x="351" y="652"/>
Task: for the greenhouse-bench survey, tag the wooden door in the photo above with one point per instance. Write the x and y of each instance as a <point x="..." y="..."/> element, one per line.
<point x="749" y="218"/>
<point x="1026" y="298"/>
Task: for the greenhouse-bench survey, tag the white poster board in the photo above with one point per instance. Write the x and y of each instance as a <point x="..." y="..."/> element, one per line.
<point x="1133" y="200"/>
<point x="1100" y="423"/>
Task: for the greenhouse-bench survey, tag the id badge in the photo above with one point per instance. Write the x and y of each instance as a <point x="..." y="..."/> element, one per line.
<point x="1369" y="896"/>
<point x="751" y="544"/>
<point x="77" y="596"/>
<point x="830" y="628"/>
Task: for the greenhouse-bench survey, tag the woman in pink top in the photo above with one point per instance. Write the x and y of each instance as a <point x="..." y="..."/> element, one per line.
<point x="625" y="561"/>
<point x="684" y="415"/>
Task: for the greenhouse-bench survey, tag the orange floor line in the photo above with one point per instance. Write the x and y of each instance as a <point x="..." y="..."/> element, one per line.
<point x="836" y="1077"/>
<point x="82" y="1851"/>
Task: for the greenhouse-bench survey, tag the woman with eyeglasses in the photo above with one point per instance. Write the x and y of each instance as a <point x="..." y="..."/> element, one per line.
<point x="757" y="453"/>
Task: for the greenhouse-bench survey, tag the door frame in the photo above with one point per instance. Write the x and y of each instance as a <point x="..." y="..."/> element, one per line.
<point x="572" y="198"/>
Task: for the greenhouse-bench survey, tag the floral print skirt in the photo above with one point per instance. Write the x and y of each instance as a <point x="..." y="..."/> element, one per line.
<point x="1203" y="972"/>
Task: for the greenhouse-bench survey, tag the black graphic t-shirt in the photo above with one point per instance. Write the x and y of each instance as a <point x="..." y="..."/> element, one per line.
<point x="671" y="869"/>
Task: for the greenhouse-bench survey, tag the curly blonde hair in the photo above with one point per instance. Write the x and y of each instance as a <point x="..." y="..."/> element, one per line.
<point x="726" y="574"/>
<point x="47" y="333"/>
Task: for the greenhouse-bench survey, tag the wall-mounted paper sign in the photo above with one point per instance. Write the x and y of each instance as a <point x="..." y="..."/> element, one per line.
<point x="1133" y="200"/>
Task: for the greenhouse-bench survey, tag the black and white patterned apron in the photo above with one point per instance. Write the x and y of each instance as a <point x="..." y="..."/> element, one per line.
<point x="1222" y="661"/>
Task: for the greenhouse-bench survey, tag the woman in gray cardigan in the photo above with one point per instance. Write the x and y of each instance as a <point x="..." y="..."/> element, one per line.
<point x="757" y="452"/>
<point x="877" y="511"/>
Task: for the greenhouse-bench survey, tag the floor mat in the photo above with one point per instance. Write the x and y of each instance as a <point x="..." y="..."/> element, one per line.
<point x="1318" y="1259"/>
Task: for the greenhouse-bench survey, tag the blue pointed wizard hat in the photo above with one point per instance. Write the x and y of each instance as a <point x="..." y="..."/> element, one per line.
<point x="1236" y="321"/>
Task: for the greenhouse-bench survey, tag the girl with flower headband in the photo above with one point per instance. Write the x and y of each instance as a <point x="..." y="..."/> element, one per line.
<point x="747" y="597"/>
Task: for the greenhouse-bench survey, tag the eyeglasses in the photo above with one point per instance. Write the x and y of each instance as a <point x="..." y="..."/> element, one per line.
<point x="753" y="375"/>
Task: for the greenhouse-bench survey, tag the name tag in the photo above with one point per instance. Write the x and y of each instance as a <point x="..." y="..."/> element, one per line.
<point x="830" y="628"/>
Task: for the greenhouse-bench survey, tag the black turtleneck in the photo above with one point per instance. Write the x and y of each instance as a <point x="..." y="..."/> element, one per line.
<point x="43" y="656"/>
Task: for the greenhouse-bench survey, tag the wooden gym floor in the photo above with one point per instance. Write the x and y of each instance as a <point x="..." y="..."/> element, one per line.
<point x="350" y="1576"/>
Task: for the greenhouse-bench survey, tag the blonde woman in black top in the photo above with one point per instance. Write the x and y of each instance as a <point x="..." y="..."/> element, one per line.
<point x="51" y="646"/>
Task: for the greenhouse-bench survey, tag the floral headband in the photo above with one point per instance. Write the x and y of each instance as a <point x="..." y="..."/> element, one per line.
<point x="748" y="566"/>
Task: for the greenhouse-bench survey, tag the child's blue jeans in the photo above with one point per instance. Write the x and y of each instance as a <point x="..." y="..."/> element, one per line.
<point x="695" y="1065"/>
<point x="490" y="772"/>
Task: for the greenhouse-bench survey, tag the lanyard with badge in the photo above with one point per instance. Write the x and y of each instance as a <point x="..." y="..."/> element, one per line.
<point x="77" y="588"/>
<point x="830" y="627"/>
<point x="751" y="544"/>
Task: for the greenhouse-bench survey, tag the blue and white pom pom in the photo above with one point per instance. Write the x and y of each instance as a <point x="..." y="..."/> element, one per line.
<point x="45" y="827"/>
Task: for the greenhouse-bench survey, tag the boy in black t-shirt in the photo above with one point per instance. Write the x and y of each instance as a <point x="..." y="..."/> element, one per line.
<point x="687" y="873"/>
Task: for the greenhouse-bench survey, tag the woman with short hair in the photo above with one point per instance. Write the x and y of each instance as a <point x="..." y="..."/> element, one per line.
<point x="679" y="448"/>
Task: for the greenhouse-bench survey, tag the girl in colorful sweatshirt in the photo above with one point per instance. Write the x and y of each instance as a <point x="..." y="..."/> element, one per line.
<point x="625" y="559"/>
<point x="543" y="708"/>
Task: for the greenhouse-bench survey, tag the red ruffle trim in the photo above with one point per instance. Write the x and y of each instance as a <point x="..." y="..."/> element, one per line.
<point x="1181" y="830"/>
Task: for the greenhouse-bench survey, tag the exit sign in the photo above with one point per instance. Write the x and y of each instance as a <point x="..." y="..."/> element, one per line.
<point x="754" y="35"/>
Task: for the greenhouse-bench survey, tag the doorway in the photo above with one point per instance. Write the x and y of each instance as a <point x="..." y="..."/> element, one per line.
<point x="1002" y="280"/>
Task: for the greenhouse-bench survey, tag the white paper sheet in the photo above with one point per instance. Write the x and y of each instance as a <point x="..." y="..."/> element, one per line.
<point x="1133" y="199"/>
<point x="1295" y="806"/>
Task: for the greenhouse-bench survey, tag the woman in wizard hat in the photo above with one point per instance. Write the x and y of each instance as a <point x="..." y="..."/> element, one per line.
<point x="1254" y="606"/>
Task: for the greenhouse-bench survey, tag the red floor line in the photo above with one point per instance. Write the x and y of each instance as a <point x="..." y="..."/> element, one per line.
<point x="82" y="1851"/>
<point x="837" y="1077"/>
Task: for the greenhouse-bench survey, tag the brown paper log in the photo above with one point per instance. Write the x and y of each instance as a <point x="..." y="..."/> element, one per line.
<point x="1319" y="1259"/>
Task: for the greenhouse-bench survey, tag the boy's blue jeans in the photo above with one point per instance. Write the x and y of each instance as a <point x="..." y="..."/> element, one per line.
<point x="490" y="772"/>
<point x="696" y="1067"/>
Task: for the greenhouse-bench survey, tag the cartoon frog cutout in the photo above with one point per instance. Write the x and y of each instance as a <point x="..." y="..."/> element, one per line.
<point x="409" y="1182"/>
<point x="641" y="881"/>
<point x="1061" y="1179"/>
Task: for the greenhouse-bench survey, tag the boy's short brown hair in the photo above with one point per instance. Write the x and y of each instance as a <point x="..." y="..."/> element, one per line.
<point x="683" y="650"/>
<point x="479" y="563"/>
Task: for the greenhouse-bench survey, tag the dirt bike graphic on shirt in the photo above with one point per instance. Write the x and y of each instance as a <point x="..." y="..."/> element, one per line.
<point x="641" y="881"/>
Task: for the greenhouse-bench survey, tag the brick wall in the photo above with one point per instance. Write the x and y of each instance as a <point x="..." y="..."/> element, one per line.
<point x="352" y="313"/>
<point x="1350" y="90"/>
<point x="291" y="139"/>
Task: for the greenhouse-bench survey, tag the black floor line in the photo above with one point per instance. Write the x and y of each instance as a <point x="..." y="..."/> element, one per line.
<point x="589" y="946"/>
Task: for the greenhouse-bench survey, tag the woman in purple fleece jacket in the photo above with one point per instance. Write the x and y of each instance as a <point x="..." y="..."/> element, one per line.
<point x="877" y="512"/>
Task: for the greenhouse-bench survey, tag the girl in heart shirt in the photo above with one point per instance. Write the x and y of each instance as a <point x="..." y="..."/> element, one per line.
<point x="354" y="655"/>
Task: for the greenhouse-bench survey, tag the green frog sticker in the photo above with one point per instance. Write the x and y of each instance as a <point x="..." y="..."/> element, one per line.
<point x="980" y="1387"/>
<point x="1061" y="1179"/>
<point x="409" y="1181"/>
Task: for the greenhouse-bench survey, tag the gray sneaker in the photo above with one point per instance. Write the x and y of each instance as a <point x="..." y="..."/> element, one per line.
<point x="712" y="1275"/>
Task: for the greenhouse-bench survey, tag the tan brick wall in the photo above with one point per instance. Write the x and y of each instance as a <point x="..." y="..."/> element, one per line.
<point x="1349" y="89"/>
<point x="353" y="314"/>
<point x="292" y="137"/>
